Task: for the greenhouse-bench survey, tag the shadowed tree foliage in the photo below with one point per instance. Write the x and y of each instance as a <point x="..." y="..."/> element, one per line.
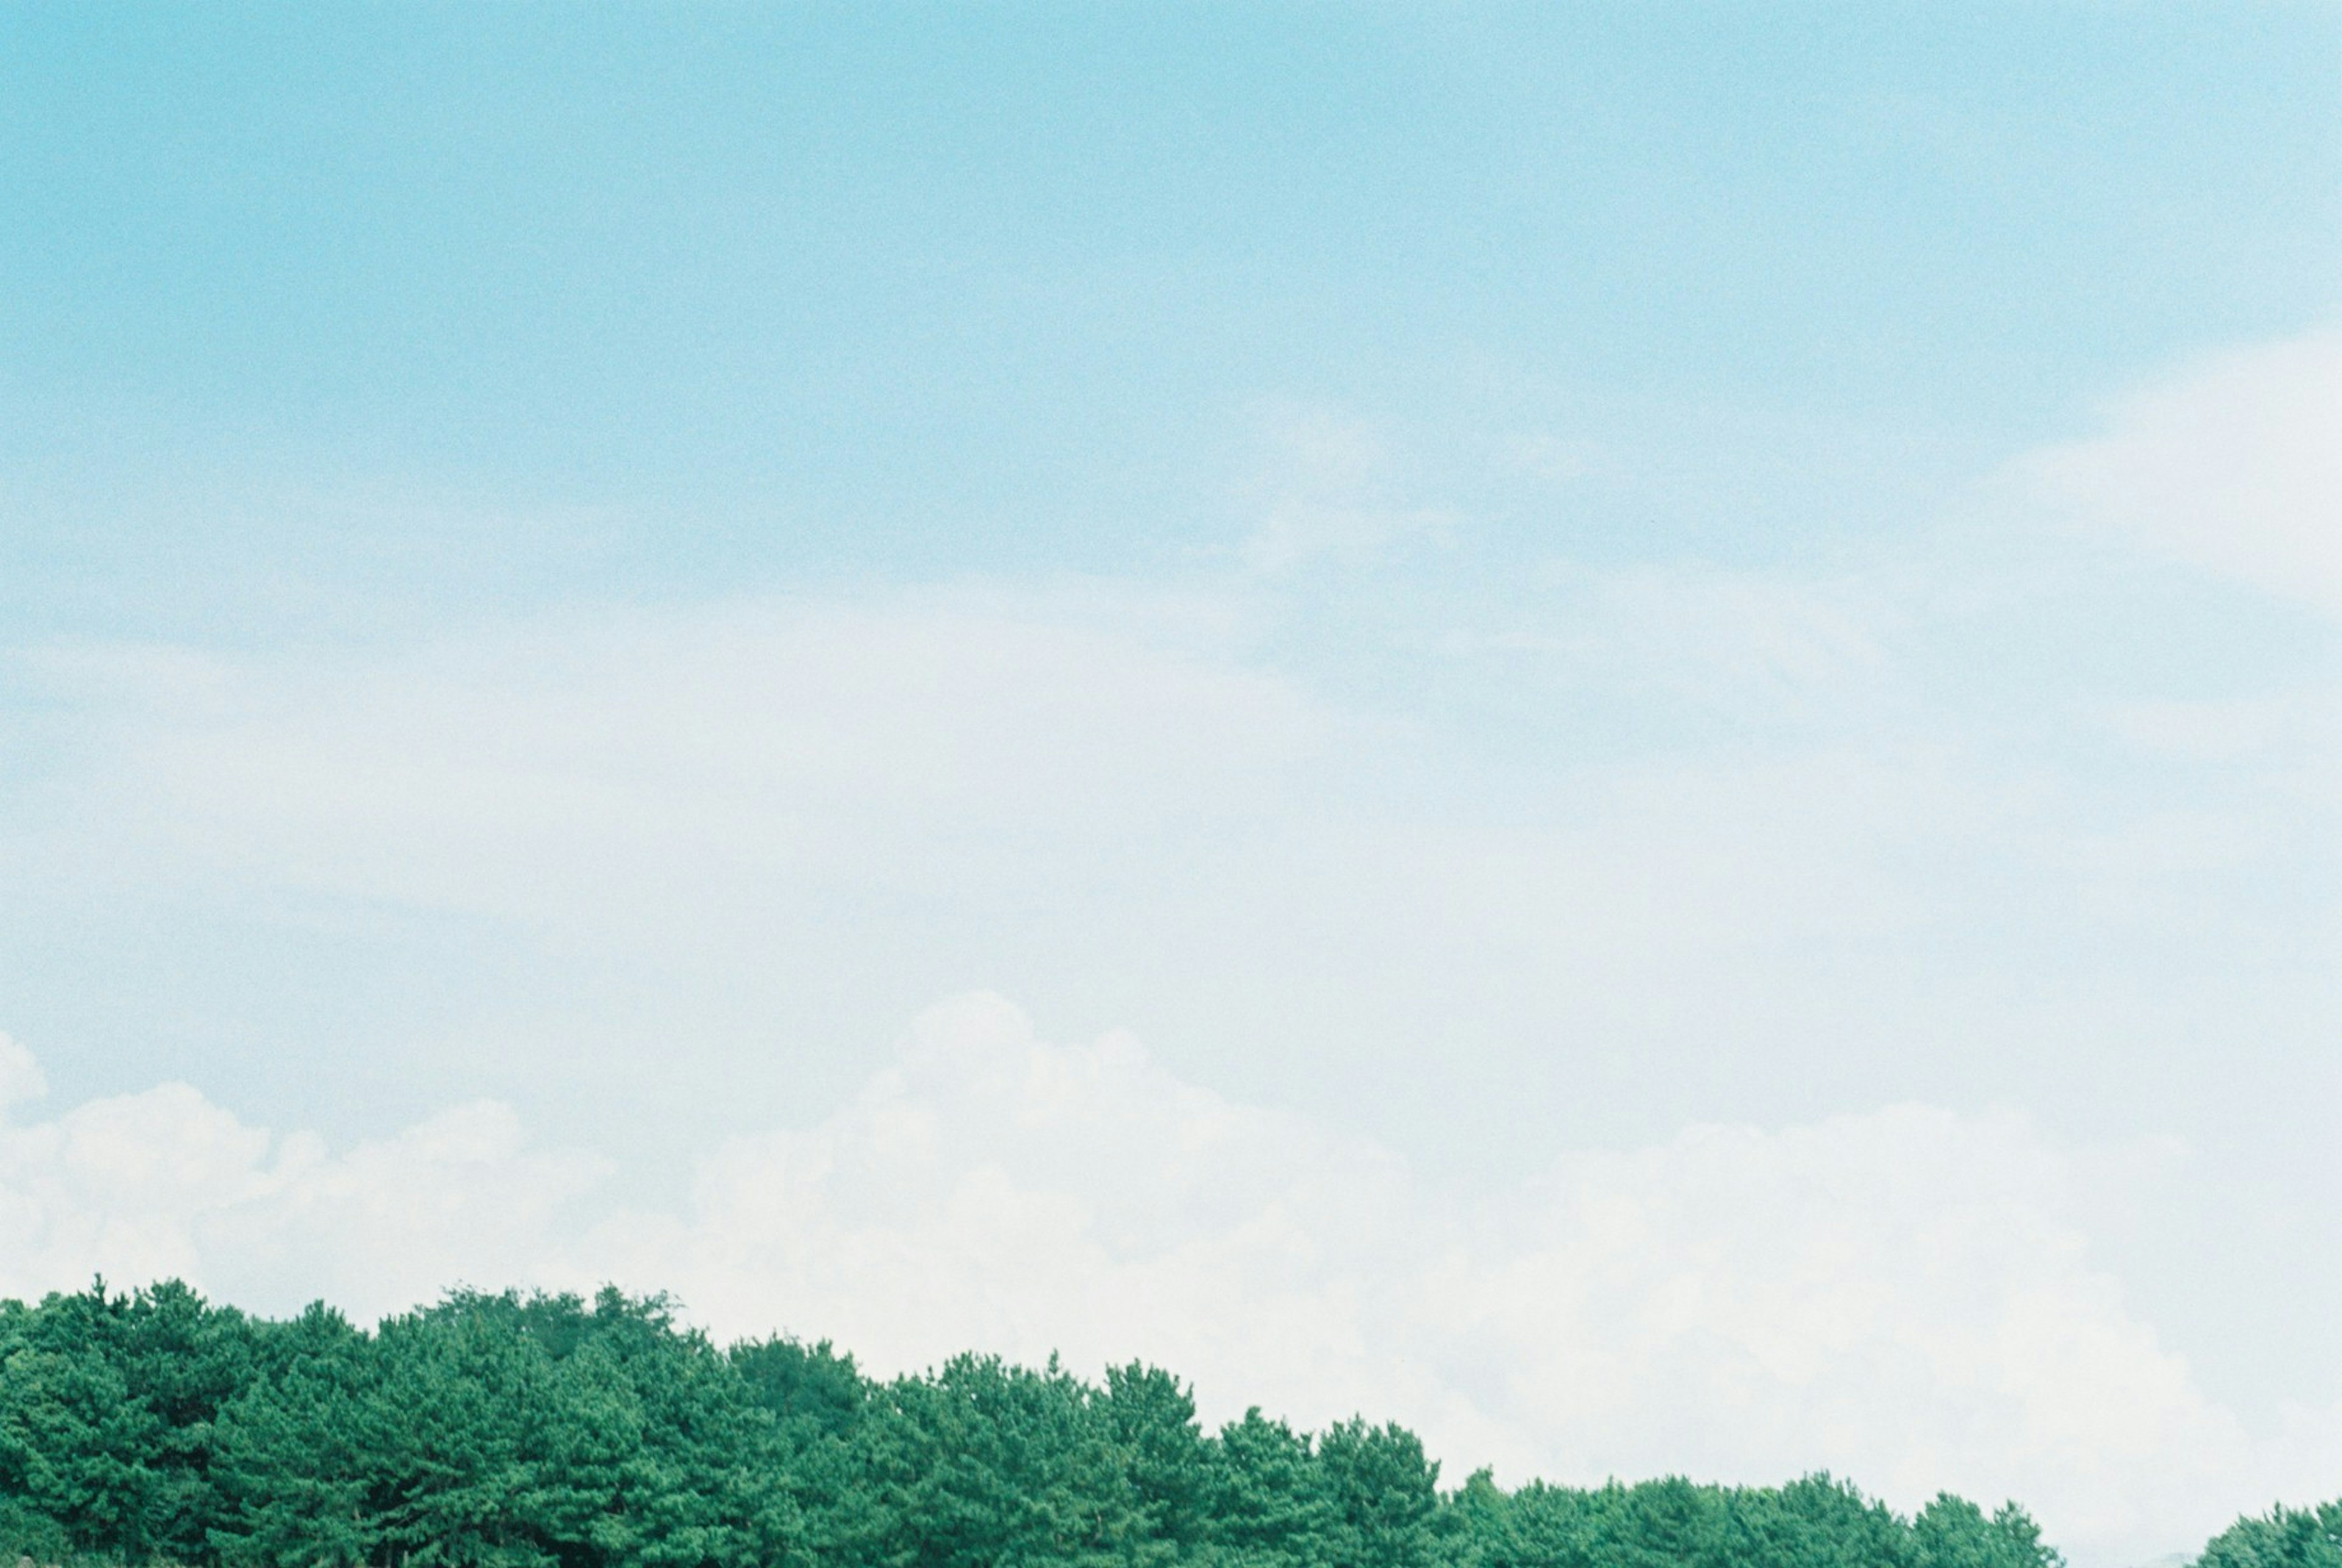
<point x="505" y="1431"/>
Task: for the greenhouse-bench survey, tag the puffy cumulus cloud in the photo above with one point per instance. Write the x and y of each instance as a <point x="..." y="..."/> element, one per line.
<point x="459" y="1197"/>
<point x="2233" y="465"/>
<point x="119" y="1186"/>
<point x="992" y="1190"/>
<point x="165" y="1183"/>
<point x="1903" y="1296"/>
<point x="1900" y="1296"/>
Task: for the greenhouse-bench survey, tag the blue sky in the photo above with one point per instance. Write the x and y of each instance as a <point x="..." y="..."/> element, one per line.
<point x="1504" y="584"/>
<point x="811" y="290"/>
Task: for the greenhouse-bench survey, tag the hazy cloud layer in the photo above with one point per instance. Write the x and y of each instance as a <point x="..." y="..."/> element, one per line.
<point x="725" y="747"/>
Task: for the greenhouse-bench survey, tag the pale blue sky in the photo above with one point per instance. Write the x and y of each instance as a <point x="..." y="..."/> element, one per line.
<point x="1510" y="580"/>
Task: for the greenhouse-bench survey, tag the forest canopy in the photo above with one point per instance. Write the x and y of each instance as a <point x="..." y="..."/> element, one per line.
<point x="513" y="1431"/>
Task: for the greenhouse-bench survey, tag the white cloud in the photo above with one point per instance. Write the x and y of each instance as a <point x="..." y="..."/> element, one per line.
<point x="116" y="1186"/>
<point x="1328" y="492"/>
<point x="1904" y="1297"/>
<point x="752" y="780"/>
<point x="2233" y="465"/>
<point x="657" y="773"/>
<point x="740" y="832"/>
<point x="20" y="1076"/>
<point x="164" y="1182"/>
<point x="992" y="1190"/>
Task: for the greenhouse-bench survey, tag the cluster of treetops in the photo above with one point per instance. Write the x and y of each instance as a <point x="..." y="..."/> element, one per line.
<point x="549" y="1432"/>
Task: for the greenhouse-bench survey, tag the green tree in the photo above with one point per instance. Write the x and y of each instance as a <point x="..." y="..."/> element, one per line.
<point x="1382" y="1496"/>
<point x="1265" y="1506"/>
<point x="2283" y="1538"/>
<point x="108" y="1404"/>
<point x="812" y="1392"/>
<point x="1953" y="1533"/>
<point x="1151" y="1417"/>
<point x="1815" y="1523"/>
<point x="983" y="1463"/>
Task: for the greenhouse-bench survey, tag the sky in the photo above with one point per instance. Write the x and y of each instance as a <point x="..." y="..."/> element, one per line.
<point x="1615" y="729"/>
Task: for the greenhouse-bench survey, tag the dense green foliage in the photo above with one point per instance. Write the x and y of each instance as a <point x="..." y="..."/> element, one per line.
<point x="548" y="1431"/>
<point x="2285" y="1538"/>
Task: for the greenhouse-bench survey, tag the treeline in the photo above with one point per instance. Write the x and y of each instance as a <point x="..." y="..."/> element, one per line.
<point x="548" y="1431"/>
